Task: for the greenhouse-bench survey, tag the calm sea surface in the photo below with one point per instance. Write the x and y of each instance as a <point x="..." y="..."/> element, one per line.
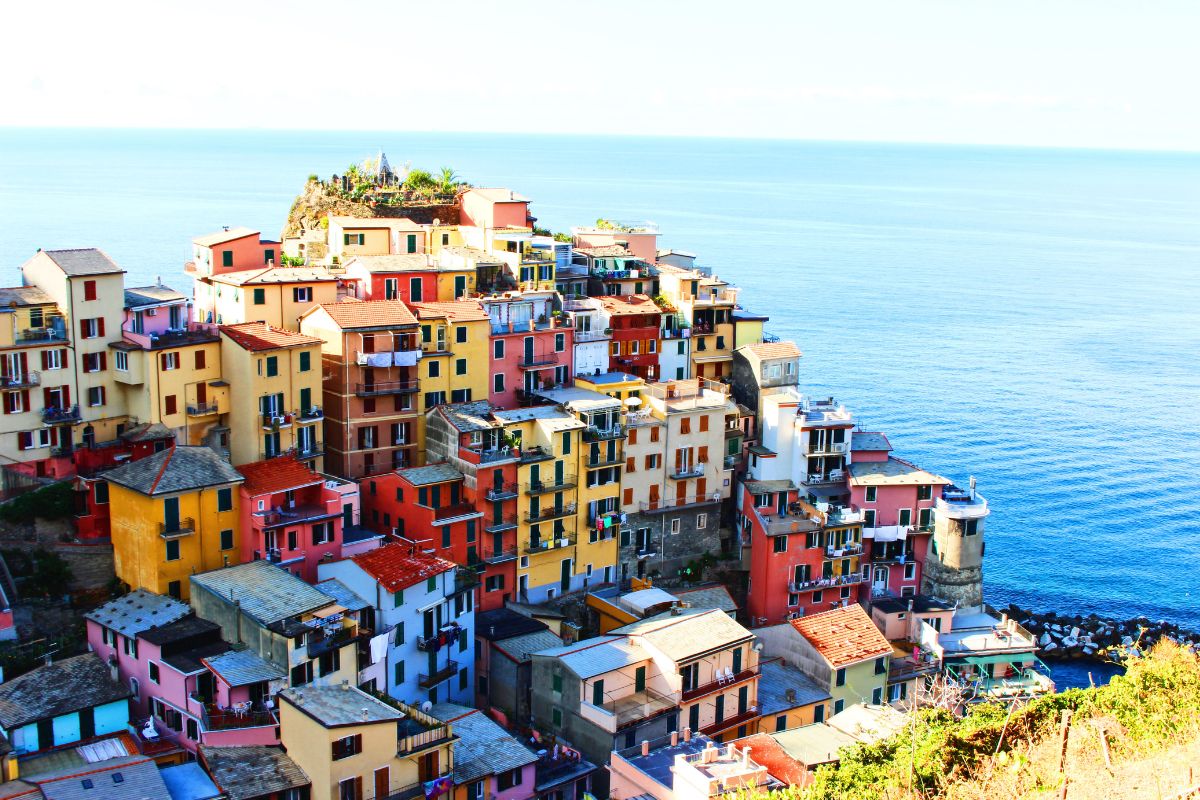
<point x="1029" y="317"/>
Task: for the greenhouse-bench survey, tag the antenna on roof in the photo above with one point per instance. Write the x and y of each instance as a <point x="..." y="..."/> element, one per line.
<point x="225" y="227"/>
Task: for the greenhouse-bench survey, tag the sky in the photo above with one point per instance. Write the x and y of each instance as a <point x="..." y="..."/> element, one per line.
<point x="1069" y="73"/>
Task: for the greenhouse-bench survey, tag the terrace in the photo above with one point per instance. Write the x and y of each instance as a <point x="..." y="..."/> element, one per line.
<point x="559" y="542"/>
<point x="665" y="504"/>
<point x="556" y="484"/>
<point x="52" y="415"/>
<point x="552" y="512"/>
<point x="385" y="387"/>
<point x="620" y="712"/>
<point x="25" y="381"/>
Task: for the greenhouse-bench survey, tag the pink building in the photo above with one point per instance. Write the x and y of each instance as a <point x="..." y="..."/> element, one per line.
<point x="290" y="516"/>
<point x="530" y="348"/>
<point x="896" y="499"/>
<point x="494" y="208"/>
<point x="230" y="250"/>
<point x="190" y="687"/>
<point x="486" y="754"/>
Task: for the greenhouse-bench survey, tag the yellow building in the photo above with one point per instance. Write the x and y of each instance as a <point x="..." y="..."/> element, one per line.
<point x="277" y="377"/>
<point x="89" y="290"/>
<point x="787" y="698"/>
<point x="167" y="371"/>
<point x="373" y="236"/>
<point x="708" y="304"/>
<point x="355" y="745"/>
<point x="173" y="514"/>
<point x="274" y="295"/>
<point x="453" y="336"/>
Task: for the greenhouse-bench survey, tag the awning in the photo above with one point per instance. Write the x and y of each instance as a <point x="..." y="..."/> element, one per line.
<point x="329" y="611"/>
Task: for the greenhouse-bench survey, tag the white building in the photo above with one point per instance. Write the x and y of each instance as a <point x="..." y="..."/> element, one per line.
<point x="592" y="326"/>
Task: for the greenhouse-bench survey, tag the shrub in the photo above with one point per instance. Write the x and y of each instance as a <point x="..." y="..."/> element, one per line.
<point x="55" y="501"/>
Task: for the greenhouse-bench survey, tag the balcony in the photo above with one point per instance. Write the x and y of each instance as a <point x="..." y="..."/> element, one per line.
<point x="182" y="527"/>
<point x="956" y="503"/>
<point x="665" y="504"/>
<point x="443" y="674"/>
<point x="905" y="669"/>
<point x="563" y="540"/>
<point x="314" y="414"/>
<point x="415" y="733"/>
<point x="686" y="471"/>
<point x="385" y="387"/>
<point x="221" y="720"/>
<point x="604" y="461"/>
<point x="593" y="433"/>
<point x="446" y="514"/>
<point x="553" y="512"/>
<point x="615" y="714"/>
<point x="274" y="420"/>
<point x="848" y="549"/>
<point x="25" y="381"/>
<point x="328" y="643"/>
<point x="502" y="524"/>
<point x="834" y="477"/>
<point x="43" y="335"/>
<point x="717" y="685"/>
<point x="886" y="556"/>
<point x="308" y="450"/>
<point x="537" y="360"/>
<point x="279" y="517"/>
<point x="593" y="335"/>
<point x="489" y="455"/>
<point x="827" y="449"/>
<point x="545" y="487"/>
<point x="531" y="455"/>
<point x="201" y="409"/>
<point x="826" y="583"/>
<point x="60" y="416"/>
<point x="446" y="637"/>
<point x="505" y="491"/>
<point x="730" y="722"/>
<point x="507" y="553"/>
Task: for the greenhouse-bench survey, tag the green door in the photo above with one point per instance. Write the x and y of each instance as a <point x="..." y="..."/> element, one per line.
<point x="171" y="514"/>
<point x="737" y="661"/>
<point x="639" y="680"/>
<point x="460" y="286"/>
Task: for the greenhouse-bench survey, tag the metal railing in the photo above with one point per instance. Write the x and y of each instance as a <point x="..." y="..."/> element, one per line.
<point x="826" y="583"/>
<point x="549" y="513"/>
<point x="201" y="409"/>
<point x="325" y="644"/>
<point x="502" y="524"/>
<point x="60" y="416"/>
<point x="20" y="381"/>
<point x="445" y="673"/>
<point x="593" y="433"/>
<point x="386" y="387"/>
<point x="43" y="335"/>
<point x="531" y="360"/>
<point x="549" y="544"/>
<point x="181" y="527"/>
<point x="668" y="503"/>
<point x="713" y="685"/>
<point x="505" y="491"/>
<point x="554" y="485"/>
<point x="689" y="471"/>
<point x="449" y="512"/>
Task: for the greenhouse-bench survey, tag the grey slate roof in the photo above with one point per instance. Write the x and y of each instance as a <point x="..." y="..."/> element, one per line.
<point x="243" y="667"/>
<point x="597" y="655"/>
<point x="267" y="593"/>
<point x="147" y="432"/>
<point x="252" y="771"/>
<point x="773" y="683"/>
<point x="483" y="747"/>
<point x="868" y="440"/>
<point x="188" y="627"/>
<point x="177" y="469"/>
<point x="681" y="637"/>
<point x="520" y="648"/>
<point x="434" y="473"/>
<point x="342" y="594"/>
<point x="19" y="790"/>
<point x="189" y="782"/>
<point x="23" y="296"/>
<point x="86" y="261"/>
<point x="707" y="597"/>
<point x="60" y="688"/>
<point x="337" y="705"/>
<point x="139" y="296"/>
<point x="138" y="611"/>
<point x="467" y="417"/>
<point x="504" y="623"/>
<point x="131" y="777"/>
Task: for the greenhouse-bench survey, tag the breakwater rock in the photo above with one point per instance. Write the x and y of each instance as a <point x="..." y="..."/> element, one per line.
<point x="1061" y="636"/>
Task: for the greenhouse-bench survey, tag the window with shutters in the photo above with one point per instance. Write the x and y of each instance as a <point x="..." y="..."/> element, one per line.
<point x="53" y="359"/>
<point x="633" y="436"/>
<point x="346" y="747"/>
<point x="498" y="382"/>
<point x="200" y="358"/>
<point x="704" y="423"/>
<point x="272" y="366"/>
<point x="654" y="434"/>
<point x="89" y="290"/>
<point x="169" y="361"/>
<point x="302" y="294"/>
<point x="95" y="396"/>
<point x="627" y="497"/>
<point x="498" y="349"/>
<point x="685" y="425"/>
<point x="305" y="361"/>
<point x="631" y="464"/>
<point x="260" y="297"/>
<point x="91" y="328"/>
<point x="170" y="404"/>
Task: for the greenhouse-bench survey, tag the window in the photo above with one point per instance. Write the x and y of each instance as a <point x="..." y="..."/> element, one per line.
<point x="227" y="540"/>
<point x="91" y="328"/>
<point x="701" y="521"/>
<point x="869" y="518"/>
<point x="924" y="492"/>
<point x="498" y="349"/>
<point x="305" y="361"/>
<point x="871" y="490"/>
<point x="674" y="526"/>
<point x="260" y="297"/>
<point x="460" y="334"/>
<point x="89" y="290"/>
<point x="460" y="366"/>
<point x="94" y="362"/>
<point x="95" y="396"/>
<point x="431" y="583"/>
<point x="269" y="255"/>
<point x="970" y="527"/>
<point x="153" y="670"/>
<point x="494" y="583"/>
<point x="557" y="682"/>
<point x="877" y="695"/>
<point x="101" y="492"/>
<point x="272" y="366"/>
<point x="435" y="369"/>
<point x="654" y="460"/>
<point x="199" y="359"/>
<point x="170" y="404"/>
<point x="225" y="499"/>
<point x="226" y="258"/>
<point x="498" y="382"/>
<point x="781" y="722"/>
<point x="838" y="706"/>
<point x="904" y="517"/>
<point x="840" y="680"/>
<point x="53" y="359"/>
<point x="910" y="572"/>
<point x="172" y="550"/>
<point x="560" y="342"/>
<point x="302" y="294"/>
<point x="779" y="544"/>
<point x="508" y="779"/>
<point x="556" y="717"/>
<point x="169" y="361"/>
<point x="346" y="747"/>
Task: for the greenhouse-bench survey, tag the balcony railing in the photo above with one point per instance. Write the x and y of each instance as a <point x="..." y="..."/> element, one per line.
<point x="20" y="381"/>
<point x="593" y="335"/>
<point x="499" y="556"/>
<point x="729" y="722"/>
<point x="687" y="471"/>
<point x="505" y="491"/>
<point x="43" y="335"/>
<point x="536" y="360"/>
<point x="825" y="583"/>
<point x="551" y="543"/>
<point x="60" y="416"/>
<point x="668" y="503"/>
<point x="604" y="461"/>
<point x="712" y="686"/>
<point x="446" y="637"/>
<point x="593" y="433"/>
<point x="446" y="513"/>
<point x="311" y="415"/>
<point x="492" y="454"/>
<point x="327" y="643"/>
<point x="553" y="485"/>
<point x="905" y="669"/>
<point x="614" y="714"/>
<point x="840" y="551"/>
<point x="530" y="455"/>
<point x="827" y="449"/>
<point x="221" y="720"/>
<point x="201" y="409"/>
<point x="502" y="524"/>
<point x="275" y="419"/>
<point x="445" y="673"/>
<point x="182" y="527"/>
<point x="386" y="387"/>
<point x="551" y="512"/>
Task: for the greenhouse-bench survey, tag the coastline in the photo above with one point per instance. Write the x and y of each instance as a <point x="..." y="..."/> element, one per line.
<point x="1091" y="637"/>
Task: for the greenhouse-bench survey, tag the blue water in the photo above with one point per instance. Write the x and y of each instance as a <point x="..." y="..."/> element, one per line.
<point x="1029" y="317"/>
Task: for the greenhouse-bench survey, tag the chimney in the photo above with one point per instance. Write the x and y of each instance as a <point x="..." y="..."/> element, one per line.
<point x="687" y="734"/>
<point x="345" y="685"/>
<point x="674" y="738"/>
<point x="645" y="747"/>
<point x="745" y="758"/>
<point x="366" y="715"/>
<point x="732" y="751"/>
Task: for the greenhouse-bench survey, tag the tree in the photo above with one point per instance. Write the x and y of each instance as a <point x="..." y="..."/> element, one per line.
<point x="420" y="182"/>
<point x="448" y="181"/>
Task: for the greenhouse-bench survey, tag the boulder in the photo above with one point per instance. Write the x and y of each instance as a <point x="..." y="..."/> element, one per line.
<point x="1044" y="640"/>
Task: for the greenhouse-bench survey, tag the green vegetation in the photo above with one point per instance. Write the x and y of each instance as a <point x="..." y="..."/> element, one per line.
<point x="563" y="237"/>
<point x="41" y="573"/>
<point x="55" y="501"/>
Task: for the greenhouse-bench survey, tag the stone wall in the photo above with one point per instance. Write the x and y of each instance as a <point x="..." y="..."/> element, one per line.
<point x="962" y="586"/>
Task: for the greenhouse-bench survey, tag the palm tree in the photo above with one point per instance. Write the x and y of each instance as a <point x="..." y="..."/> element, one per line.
<point x="448" y="181"/>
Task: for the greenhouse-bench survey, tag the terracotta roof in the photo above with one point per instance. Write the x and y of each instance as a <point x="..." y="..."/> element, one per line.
<point x="461" y="311"/>
<point x="370" y="314"/>
<point x="782" y="767"/>
<point x="257" y="336"/>
<point x="766" y="350"/>
<point x="395" y="567"/>
<point x="630" y="304"/>
<point x="276" y="475"/>
<point x="844" y="635"/>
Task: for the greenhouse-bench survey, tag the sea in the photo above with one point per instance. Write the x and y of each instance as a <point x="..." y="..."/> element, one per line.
<point x="1027" y="317"/>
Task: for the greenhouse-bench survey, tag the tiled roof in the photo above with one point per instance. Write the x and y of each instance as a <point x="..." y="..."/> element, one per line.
<point x="138" y="611"/>
<point x="188" y="627"/>
<point x="707" y="597"/>
<point x="89" y="261"/>
<point x="597" y="655"/>
<point x="267" y="593"/>
<point x="504" y="623"/>
<point x="633" y="304"/>
<point x="252" y="771"/>
<point x="342" y="594"/>
<point x="275" y="275"/>
<point x="370" y="314"/>
<point x="459" y="311"/>
<point x="433" y="473"/>
<point x="127" y="777"/>
<point x="258" y="336"/>
<point x="276" y="475"/>
<point x="843" y="635"/>
<point x="766" y="350"/>
<point x="520" y="648"/>
<point x="869" y="440"/>
<point x="60" y="688"/>
<point x="467" y="417"/>
<point x="472" y="254"/>
<point x="147" y="432"/>
<point x="340" y="705"/>
<point x="813" y="744"/>
<point x="395" y="567"/>
<point x="683" y="636"/>
<point x="767" y="487"/>
<point x="483" y="747"/>
<point x="401" y="262"/>
<point x="774" y="682"/>
<point x="243" y="667"/>
<point x="191" y="661"/>
<point x="24" y="296"/>
<point x="139" y="296"/>
<point x="893" y="472"/>
<point x="210" y="239"/>
<point x="177" y="469"/>
<point x="780" y="765"/>
<point x="869" y="723"/>
<point x="19" y="790"/>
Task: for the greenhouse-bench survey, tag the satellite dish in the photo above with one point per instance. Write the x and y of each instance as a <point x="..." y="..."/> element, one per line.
<point x="427" y="706"/>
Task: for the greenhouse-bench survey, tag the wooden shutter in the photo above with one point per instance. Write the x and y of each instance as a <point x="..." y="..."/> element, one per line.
<point x="46" y="400"/>
<point x="685" y="425"/>
<point x="25" y="440"/>
<point x="633" y="435"/>
<point x="704" y="423"/>
<point x="100" y="326"/>
<point x="54" y="437"/>
<point x="103" y="362"/>
<point x="701" y="485"/>
<point x="24" y="363"/>
<point x="45" y="359"/>
<point x="703" y="457"/>
<point x="679" y="459"/>
<point x="8" y="405"/>
<point x="66" y="393"/>
<point x="25" y="399"/>
<point x="199" y="359"/>
<point x="162" y="361"/>
<point x="628" y="497"/>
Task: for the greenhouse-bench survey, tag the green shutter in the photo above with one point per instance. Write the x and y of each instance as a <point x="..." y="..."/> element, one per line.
<point x="412" y="243"/>
<point x="260" y="297"/>
<point x="305" y="362"/>
<point x="345" y="238"/>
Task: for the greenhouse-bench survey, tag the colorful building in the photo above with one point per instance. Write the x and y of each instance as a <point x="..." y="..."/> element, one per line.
<point x="454" y="336"/>
<point x="488" y="761"/>
<point x="633" y="345"/>
<point x="278" y="373"/>
<point x="531" y="348"/>
<point x="415" y="278"/>
<point x="592" y="333"/>
<point x="276" y="296"/>
<point x="373" y="236"/>
<point x="289" y="516"/>
<point x="173" y="514"/>
<point x="370" y="359"/>
<point x="707" y="304"/>
<point x="688" y="767"/>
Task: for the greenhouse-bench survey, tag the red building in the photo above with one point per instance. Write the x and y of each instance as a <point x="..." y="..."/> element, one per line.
<point x="634" y="320"/>
<point x="289" y="517"/>
<point x="896" y="499"/>
<point x="802" y="560"/>
<point x="531" y="349"/>
<point x="92" y="461"/>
